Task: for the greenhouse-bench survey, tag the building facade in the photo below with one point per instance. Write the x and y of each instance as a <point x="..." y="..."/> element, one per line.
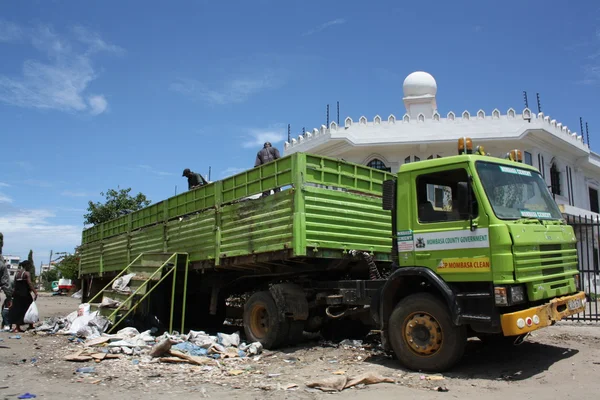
<point x="12" y="263"/>
<point x="571" y="170"/>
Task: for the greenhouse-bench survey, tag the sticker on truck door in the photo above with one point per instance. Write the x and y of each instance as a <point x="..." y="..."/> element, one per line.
<point x="452" y="240"/>
<point x="405" y="240"/>
<point x="474" y="264"/>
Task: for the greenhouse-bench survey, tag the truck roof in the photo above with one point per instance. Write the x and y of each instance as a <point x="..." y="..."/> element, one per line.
<point x="438" y="162"/>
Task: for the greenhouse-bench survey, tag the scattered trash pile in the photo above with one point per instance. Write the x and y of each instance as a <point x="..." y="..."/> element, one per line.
<point x="195" y="348"/>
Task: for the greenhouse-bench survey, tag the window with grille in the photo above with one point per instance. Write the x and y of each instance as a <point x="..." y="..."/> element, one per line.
<point x="555" y="179"/>
<point x="378" y="164"/>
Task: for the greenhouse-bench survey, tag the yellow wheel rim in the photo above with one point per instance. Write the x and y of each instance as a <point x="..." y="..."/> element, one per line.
<point x="423" y="334"/>
<point x="259" y="321"/>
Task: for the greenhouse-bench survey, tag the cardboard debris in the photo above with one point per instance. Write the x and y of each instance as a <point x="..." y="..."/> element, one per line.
<point x="173" y="360"/>
<point x="339" y="383"/>
<point x="192" y="359"/>
<point x="99" y="356"/>
<point x="90" y="354"/>
<point x="97" y="341"/>
<point x="235" y="372"/>
<point x="161" y="348"/>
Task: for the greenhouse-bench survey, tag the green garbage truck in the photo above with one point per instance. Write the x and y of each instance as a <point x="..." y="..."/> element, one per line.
<point x="446" y="249"/>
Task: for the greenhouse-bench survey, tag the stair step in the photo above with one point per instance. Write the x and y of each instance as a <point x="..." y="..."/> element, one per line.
<point x="106" y="312"/>
<point x="142" y="284"/>
<point x="123" y="298"/>
<point x="146" y="274"/>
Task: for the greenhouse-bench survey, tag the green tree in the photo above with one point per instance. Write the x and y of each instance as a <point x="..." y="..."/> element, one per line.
<point x="117" y="203"/>
<point x="69" y="266"/>
<point x="30" y="266"/>
<point x="48" y="277"/>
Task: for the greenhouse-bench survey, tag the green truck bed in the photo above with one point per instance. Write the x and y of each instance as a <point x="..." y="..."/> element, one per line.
<point x="326" y="207"/>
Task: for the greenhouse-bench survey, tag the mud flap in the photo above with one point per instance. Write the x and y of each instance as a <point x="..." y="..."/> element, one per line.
<point x="291" y="301"/>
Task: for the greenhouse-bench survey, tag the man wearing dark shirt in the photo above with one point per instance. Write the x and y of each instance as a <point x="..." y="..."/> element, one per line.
<point x="267" y="154"/>
<point x="195" y="180"/>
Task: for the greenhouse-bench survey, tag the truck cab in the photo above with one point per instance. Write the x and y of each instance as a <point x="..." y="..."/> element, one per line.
<point x="484" y="240"/>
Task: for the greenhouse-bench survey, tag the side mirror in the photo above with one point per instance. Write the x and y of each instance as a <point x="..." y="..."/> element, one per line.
<point x="463" y="199"/>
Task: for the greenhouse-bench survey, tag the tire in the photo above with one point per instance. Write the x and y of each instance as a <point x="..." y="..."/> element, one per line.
<point x="423" y="336"/>
<point x="262" y="322"/>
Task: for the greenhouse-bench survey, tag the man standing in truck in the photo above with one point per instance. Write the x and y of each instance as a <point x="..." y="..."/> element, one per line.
<point x="267" y="154"/>
<point x="195" y="180"/>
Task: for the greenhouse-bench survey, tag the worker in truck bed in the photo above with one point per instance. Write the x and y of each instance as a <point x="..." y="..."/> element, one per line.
<point x="195" y="180"/>
<point x="267" y="154"/>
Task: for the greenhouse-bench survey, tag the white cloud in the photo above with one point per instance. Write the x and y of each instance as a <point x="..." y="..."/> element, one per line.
<point x="9" y="31"/>
<point x="38" y="183"/>
<point x="258" y="137"/>
<point x="94" y="40"/>
<point x="72" y="193"/>
<point x="337" y="21"/>
<point x="98" y="104"/>
<point x="5" y="199"/>
<point x="32" y="229"/>
<point x="231" y="171"/>
<point x="591" y="66"/>
<point x="2" y="184"/>
<point x="61" y="81"/>
<point x="236" y="90"/>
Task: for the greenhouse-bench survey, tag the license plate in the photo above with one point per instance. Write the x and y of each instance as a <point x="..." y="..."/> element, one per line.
<point x="574" y="304"/>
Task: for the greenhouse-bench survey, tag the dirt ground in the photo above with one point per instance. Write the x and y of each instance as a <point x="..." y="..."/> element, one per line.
<point x="561" y="362"/>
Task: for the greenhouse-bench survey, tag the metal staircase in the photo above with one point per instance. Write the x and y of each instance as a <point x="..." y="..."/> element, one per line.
<point x="150" y="270"/>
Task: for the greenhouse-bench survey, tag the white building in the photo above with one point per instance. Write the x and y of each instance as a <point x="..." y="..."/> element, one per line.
<point x="47" y="267"/>
<point x="12" y="263"/>
<point x="570" y="168"/>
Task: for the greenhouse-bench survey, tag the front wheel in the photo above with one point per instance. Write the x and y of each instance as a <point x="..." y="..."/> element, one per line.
<point x="423" y="336"/>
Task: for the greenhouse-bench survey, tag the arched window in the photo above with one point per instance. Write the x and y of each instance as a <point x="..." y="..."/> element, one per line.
<point x="411" y="159"/>
<point x="431" y="157"/>
<point x="555" y="179"/>
<point x="378" y="164"/>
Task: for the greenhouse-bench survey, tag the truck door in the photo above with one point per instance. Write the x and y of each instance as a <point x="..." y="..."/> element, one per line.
<point x="450" y="237"/>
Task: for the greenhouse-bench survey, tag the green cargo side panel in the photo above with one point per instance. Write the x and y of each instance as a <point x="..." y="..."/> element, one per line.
<point x="257" y="226"/>
<point x="346" y="221"/>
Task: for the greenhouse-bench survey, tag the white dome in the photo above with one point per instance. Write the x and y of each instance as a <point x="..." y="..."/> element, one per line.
<point x="419" y="84"/>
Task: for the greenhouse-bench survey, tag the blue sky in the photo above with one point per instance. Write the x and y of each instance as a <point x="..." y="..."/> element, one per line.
<point x="95" y="95"/>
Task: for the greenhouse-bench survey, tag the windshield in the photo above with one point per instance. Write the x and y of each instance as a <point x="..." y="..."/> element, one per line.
<point x="516" y="193"/>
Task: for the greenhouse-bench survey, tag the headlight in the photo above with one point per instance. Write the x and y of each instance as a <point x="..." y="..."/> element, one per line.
<point x="517" y="294"/>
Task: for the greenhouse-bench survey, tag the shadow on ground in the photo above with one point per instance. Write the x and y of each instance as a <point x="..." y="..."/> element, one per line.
<point x="510" y="363"/>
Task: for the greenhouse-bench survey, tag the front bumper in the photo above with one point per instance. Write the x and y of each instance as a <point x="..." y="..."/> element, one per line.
<point x="533" y="318"/>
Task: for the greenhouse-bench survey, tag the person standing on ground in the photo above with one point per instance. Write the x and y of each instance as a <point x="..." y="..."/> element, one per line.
<point x="4" y="276"/>
<point x="195" y="180"/>
<point x="267" y="154"/>
<point x="22" y="298"/>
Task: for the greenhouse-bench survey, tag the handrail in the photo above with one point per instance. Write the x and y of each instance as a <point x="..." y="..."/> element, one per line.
<point x="115" y="278"/>
<point x="143" y="285"/>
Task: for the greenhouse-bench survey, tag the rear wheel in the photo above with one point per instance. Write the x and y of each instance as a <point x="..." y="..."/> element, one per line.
<point x="262" y="321"/>
<point x="423" y="336"/>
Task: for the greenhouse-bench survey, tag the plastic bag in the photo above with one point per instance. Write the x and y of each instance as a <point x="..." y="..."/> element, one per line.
<point x="32" y="315"/>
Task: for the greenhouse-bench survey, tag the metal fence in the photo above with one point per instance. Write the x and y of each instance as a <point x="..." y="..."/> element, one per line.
<point x="587" y="231"/>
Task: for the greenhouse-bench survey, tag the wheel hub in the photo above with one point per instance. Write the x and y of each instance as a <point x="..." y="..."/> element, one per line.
<point x="423" y="334"/>
<point x="259" y="321"/>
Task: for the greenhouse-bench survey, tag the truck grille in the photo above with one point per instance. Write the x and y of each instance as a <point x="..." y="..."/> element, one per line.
<point x="544" y="263"/>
